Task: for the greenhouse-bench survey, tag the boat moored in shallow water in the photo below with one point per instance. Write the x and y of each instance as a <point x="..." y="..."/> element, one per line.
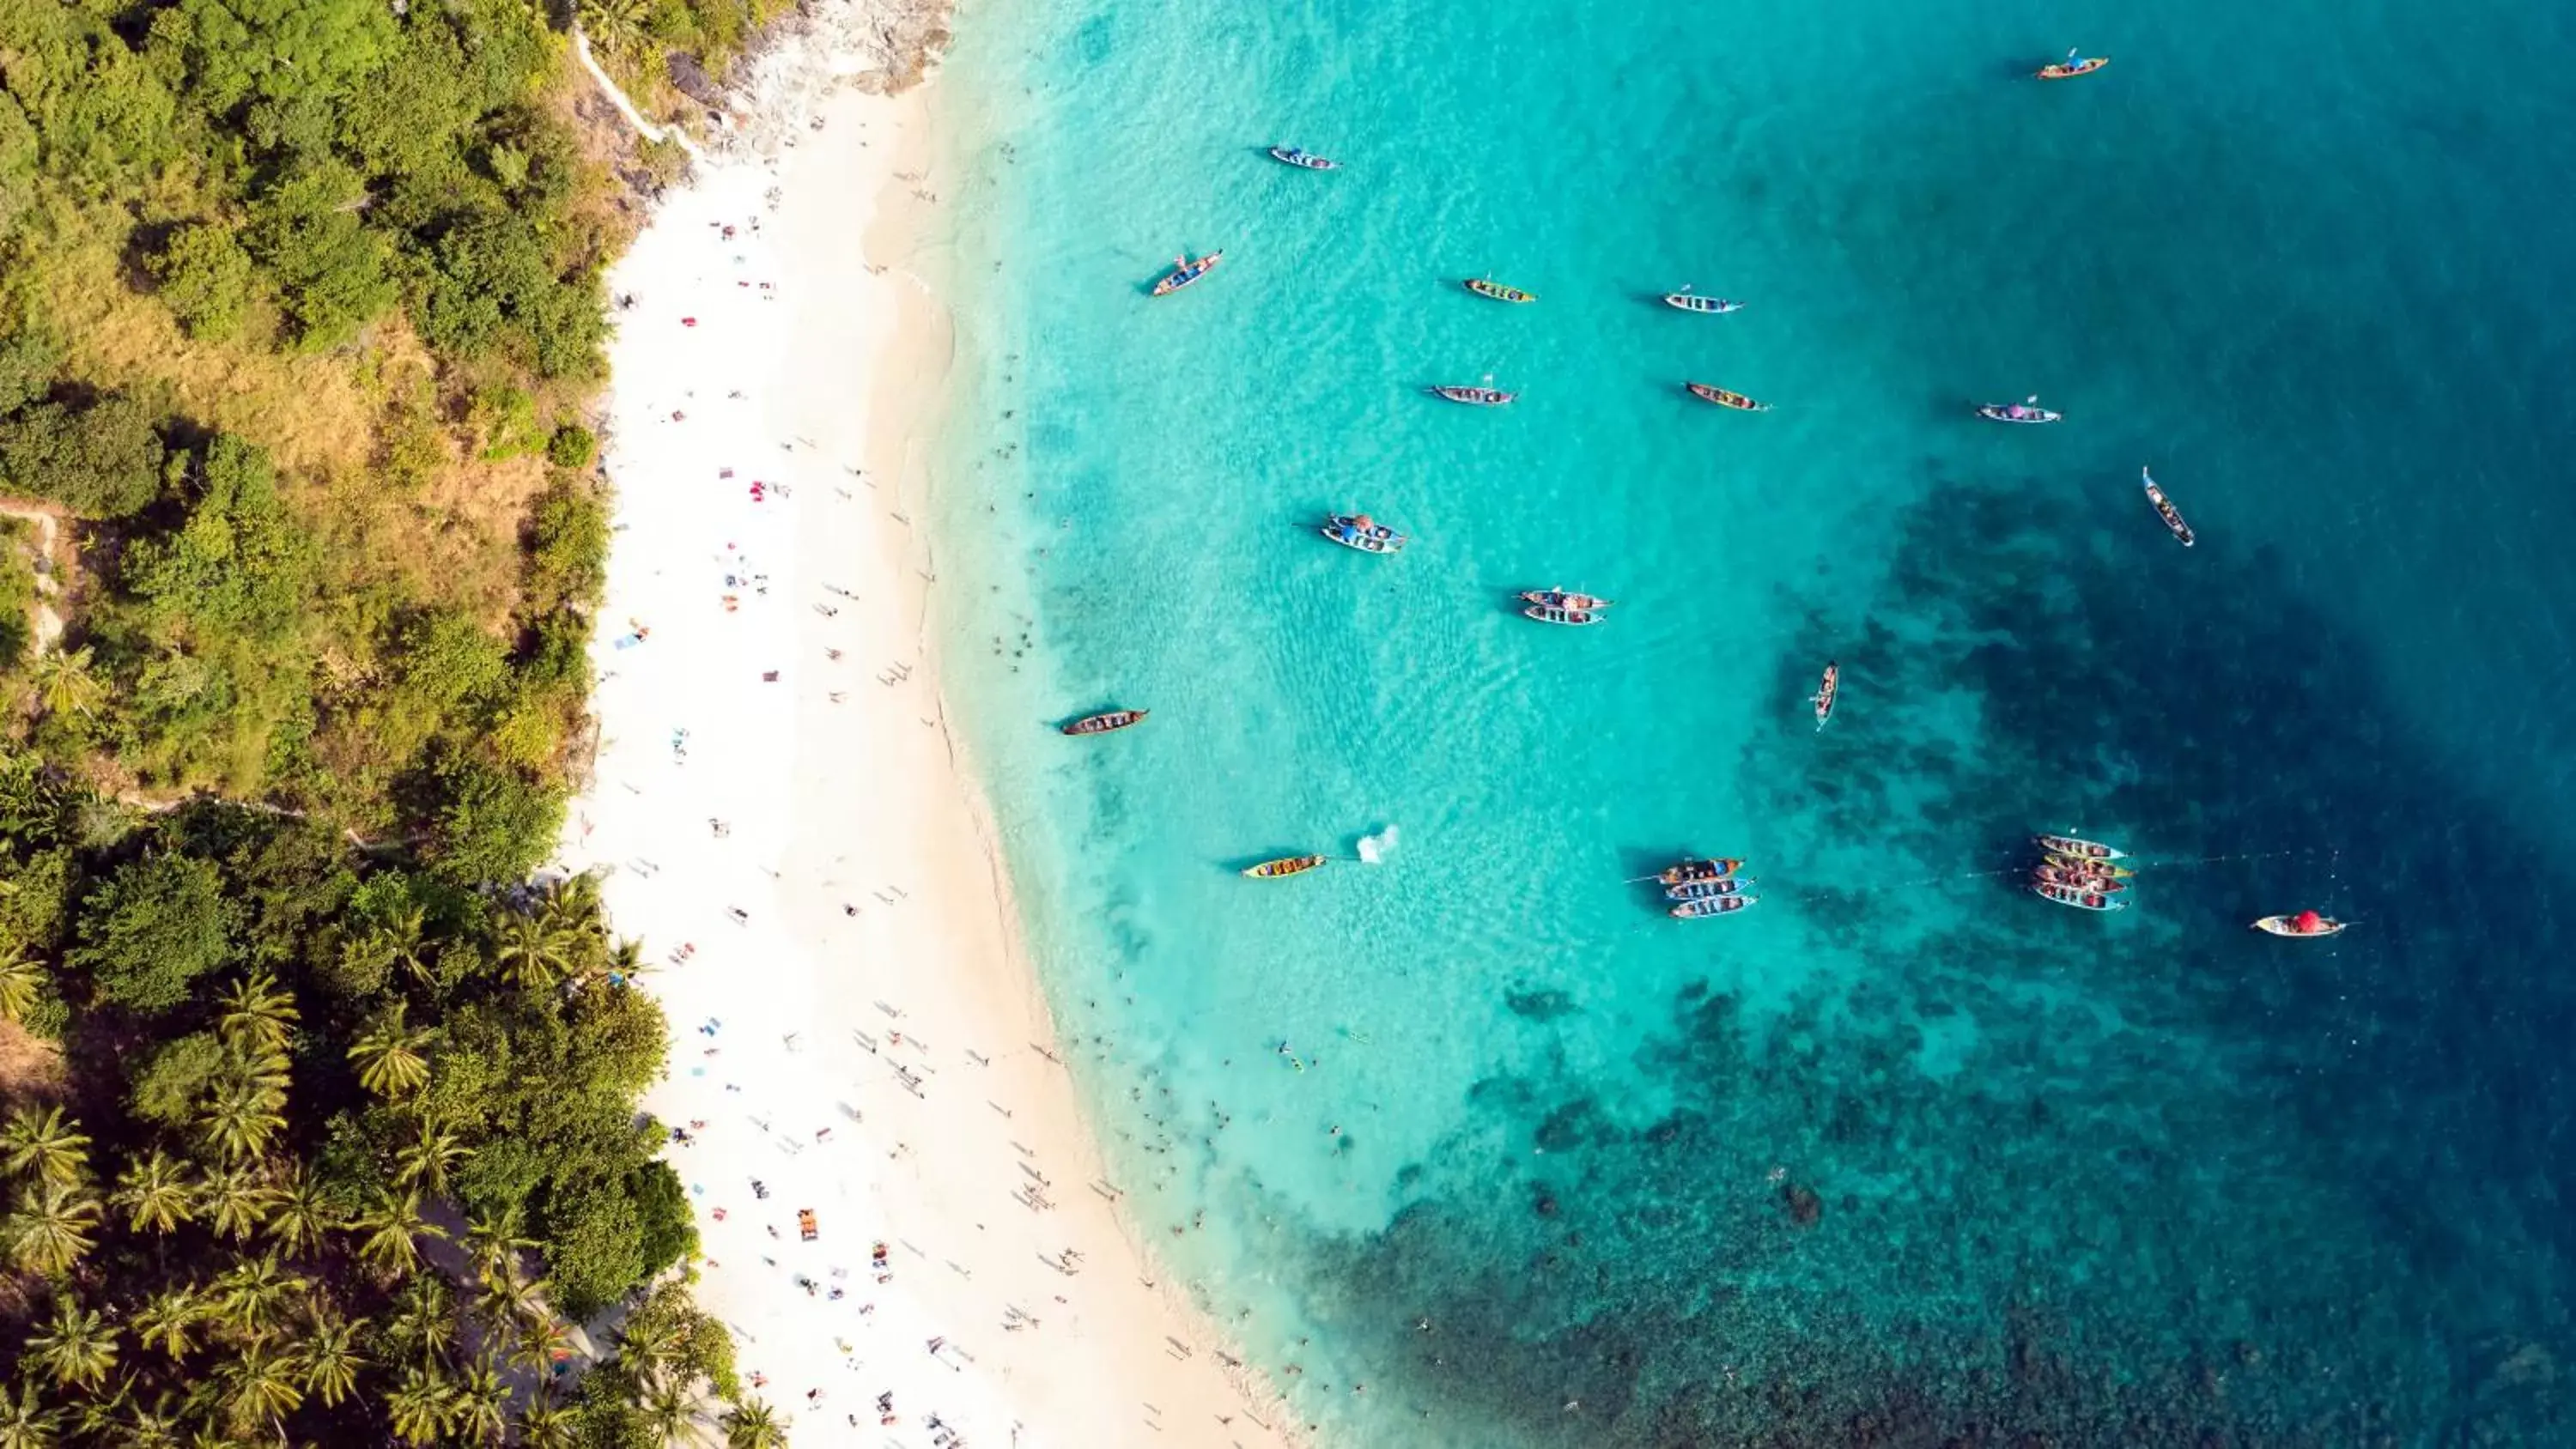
<point x="1184" y="272"/>
<point x="1823" y="698"/>
<point x="2079" y="849"/>
<point x="1487" y="396"/>
<point x="2165" y="509"/>
<point x="1359" y="531"/>
<point x="1701" y="910"/>
<point x="1486" y="287"/>
<point x="2071" y="67"/>
<point x="1303" y="160"/>
<point x="1549" y="614"/>
<point x="1726" y="399"/>
<point x="1717" y="868"/>
<point x="1701" y="890"/>
<point x="1286" y="865"/>
<point x="2303" y="923"/>
<point x="1103" y="723"/>
<point x="1690" y="301"/>
<point x="1556" y="598"/>
<point x="2100" y="867"/>
<point x="2076" y="896"/>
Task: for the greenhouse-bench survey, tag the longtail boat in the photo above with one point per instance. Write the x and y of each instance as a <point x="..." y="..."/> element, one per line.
<point x="1700" y="890"/>
<point x="1286" y="865"/>
<point x="1576" y="618"/>
<point x="2027" y="410"/>
<point x="1359" y="531"/>
<point x="1103" y="723"/>
<point x="2080" y="849"/>
<point x="2165" y="509"/>
<point x="1823" y="698"/>
<point x="1556" y="598"/>
<point x="1713" y="906"/>
<point x="2079" y="878"/>
<point x="2071" y="67"/>
<point x="1690" y="870"/>
<point x="2303" y="923"/>
<point x="1690" y="301"/>
<point x="1726" y="399"/>
<point x="2082" y="900"/>
<point x="1485" y="287"/>
<point x="1185" y="271"/>
<point x="1487" y="396"/>
<point x="1304" y="160"/>
<point x="2099" y="866"/>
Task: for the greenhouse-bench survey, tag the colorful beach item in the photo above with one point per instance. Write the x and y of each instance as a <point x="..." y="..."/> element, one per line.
<point x="1184" y="272"/>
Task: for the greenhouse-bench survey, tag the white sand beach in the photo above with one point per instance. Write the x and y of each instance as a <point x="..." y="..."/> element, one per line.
<point x="779" y="814"/>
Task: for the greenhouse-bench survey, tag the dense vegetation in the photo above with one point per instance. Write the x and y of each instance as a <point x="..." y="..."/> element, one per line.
<point x="317" y="1122"/>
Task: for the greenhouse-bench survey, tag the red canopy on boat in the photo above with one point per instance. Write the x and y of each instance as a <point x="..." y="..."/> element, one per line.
<point x="2308" y="921"/>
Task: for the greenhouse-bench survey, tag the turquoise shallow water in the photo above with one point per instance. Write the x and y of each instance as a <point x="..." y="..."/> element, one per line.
<point x="1902" y="1156"/>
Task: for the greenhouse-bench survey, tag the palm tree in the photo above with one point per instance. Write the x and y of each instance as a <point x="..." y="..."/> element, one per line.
<point x="253" y="1293"/>
<point x="167" y="1318"/>
<point x="530" y="954"/>
<point x="254" y="1015"/>
<point x="546" y="1426"/>
<point x="153" y="1193"/>
<point x="482" y="1402"/>
<point x="77" y="1347"/>
<point x="331" y="1360"/>
<point x="45" y="1146"/>
<point x="259" y="1387"/>
<point x="393" y="1225"/>
<point x="64" y="683"/>
<point x="626" y="959"/>
<point x="25" y="1423"/>
<point x="509" y="1300"/>
<point x="388" y="1054"/>
<point x="754" y="1425"/>
<point x="234" y="1200"/>
<point x="242" y="1115"/>
<point x="674" y="1411"/>
<point x="301" y="1214"/>
<point x="426" y="1158"/>
<point x="420" y="1406"/>
<point x="403" y="941"/>
<point x="22" y="982"/>
<point x="50" y="1231"/>
<point x="493" y="1244"/>
<point x="541" y="1336"/>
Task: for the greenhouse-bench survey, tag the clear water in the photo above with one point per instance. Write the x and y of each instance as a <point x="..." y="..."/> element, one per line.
<point x="1904" y="1155"/>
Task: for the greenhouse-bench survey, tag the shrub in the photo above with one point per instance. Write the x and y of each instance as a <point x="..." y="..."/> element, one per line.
<point x="504" y="420"/>
<point x="205" y="279"/>
<point x="572" y="446"/>
<point x="100" y="461"/>
<point x="158" y="924"/>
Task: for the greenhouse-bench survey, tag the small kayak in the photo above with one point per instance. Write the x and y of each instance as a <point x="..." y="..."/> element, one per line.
<point x="1303" y="160"/>
<point x="2304" y="923"/>
<point x="1551" y="614"/>
<point x="1496" y="290"/>
<point x="2165" y="509"/>
<point x="1725" y="399"/>
<point x="1690" y="301"/>
<point x="1285" y="865"/>
<point x="1101" y="724"/>
<point x="2070" y="69"/>
<point x="1359" y="531"/>
<point x="1185" y="271"/>
<point x="1554" y="598"/>
<point x="1713" y="906"/>
<point x="1476" y="397"/>
<point x="2082" y="900"/>
<point x="2068" y="845"/>
<point x="1823" y="698"/>
<point x="2026" y="411"/>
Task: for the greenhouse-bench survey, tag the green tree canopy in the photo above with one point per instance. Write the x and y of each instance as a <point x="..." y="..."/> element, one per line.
<point x="101" y="461"/>
<point x="152" y="929"/>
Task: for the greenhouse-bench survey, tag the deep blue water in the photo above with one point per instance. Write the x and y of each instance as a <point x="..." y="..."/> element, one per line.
<point x="1902" y="1156"/>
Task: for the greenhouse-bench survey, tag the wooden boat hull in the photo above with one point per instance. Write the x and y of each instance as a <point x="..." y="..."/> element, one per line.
<point x="2068" y="845"/>
<point x="1706" y="306"/>
<point x="2165" y="510"/>
<point x="2098" y="885"/>
<point x="1571" y="618"/>
<point x="1374" y="538"/>
<point x="2063" y="71"/>
<point x="1188" y="275"/>
<point x="1696" y="870"/>
<point x="1284" y="866"/>
<point x="1823" y="698"/>
<point x="1725" y="398"/>
<point x="1474" y="397"/>
<point x="1703" y="890"/>
<point x="2098" y="865"/>
<point x="2077" y="899"/>
<point x="2280" y="926"/>
<point x="1714" y="906"/>
<point x="1303" y="161"/>
<point x="1999" y="413"/>
<point x="1561" y="599"/>
<point x="1498" y="292"/>
<point x="1106" y="721"/>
